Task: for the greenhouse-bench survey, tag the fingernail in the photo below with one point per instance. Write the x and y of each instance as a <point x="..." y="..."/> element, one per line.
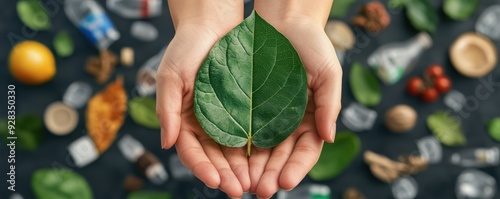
<point x="163" y="141"/>
<point x="332" y="134"/>
<point x="210" y="187"/>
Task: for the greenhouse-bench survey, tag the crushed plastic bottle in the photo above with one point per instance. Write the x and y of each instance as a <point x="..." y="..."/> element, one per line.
<point x="77" y="94"/>
<point x="135" y="9"/>
<point x="92" y="21"/>
<point x="478" y="157"/>
<point x="473" y="183"/>
<point x="306" y="191"/>
<point x="488" y="23"/>
<point x="430" y="149"/>
<point x="144" y="31"/>
<point x="392" y="61"/>
<point x="358" y="118"/>
<point x="146" y="77"/>
<point x="404" y="188"/>
<point x="455" y="100"/>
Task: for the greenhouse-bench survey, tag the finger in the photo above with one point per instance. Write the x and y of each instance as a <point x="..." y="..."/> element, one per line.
<point x="304" y="156"/>
<point x="168" y="105"/>
<point x="257" y="163"/>
<point x="268" y="183"/>
<point x="228" y="181"/>
<point x="327" y="95"/>
<point x="237" y="159"/>
<point x="193" y="156"/>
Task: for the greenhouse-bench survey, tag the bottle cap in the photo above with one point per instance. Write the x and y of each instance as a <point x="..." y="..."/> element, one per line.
<point x="473" y="55"/>
<point x="424" y="39"/>
<point x="340" y="34"/>
<point x="60" y="118"/>
<point x="83" y="151"/>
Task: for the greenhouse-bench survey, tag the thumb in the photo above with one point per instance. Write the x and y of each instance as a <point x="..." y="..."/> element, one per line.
<point x="168" y="105"/>
<point x="327" y="90"/>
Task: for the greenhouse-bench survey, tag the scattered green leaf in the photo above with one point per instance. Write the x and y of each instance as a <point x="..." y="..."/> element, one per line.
<point x="33" y="14"/>
<point x="252" y="87"/>
<point x="340" y="7"/>
<point x="460" y="9"/>
<point x="149" y="195"/>
<point x="143" y="112"/>
<point x="27" y="128"/>
<point x="364" y="85"/>
<point x="421" y="14"/>
<point x="494" y="128"/>
<point x="336" y="157"/>
<point x="63" y="44"/>
<point x="60" y="184"/>
<point x="446" y="128"/>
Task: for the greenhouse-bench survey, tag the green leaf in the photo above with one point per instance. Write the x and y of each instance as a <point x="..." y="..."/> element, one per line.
<point x="394" y="4"/>
<point x="143" y="112"/>
<point x="63" y="44"/>
<point x="33" y="14"/>
<point x="149" y="195"/>
<point x="336" y="157"/>
<point x="364" y="85"/>
<point x="422" y="15"/>
<point x="460" y="9"/>
<point x="252" y="87"/>
<point x="494" y="128"/>
<point x="28" y="130"/>
<point x="446" y="128"/>
<point x="340" y="7"/>
<point x="60" y="184"/>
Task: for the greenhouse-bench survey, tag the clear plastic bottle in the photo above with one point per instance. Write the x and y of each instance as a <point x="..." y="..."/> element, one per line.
<point x="392" y="61"/>
<point x="146" y="76"/>
<point x="92" y="21"/>
<point x="135" y="9"/>
<point x="479" y="157"/>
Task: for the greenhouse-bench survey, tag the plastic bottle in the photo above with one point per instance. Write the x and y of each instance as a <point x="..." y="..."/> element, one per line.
<point x="146" y="76"/>
<point x="306" y="191"/>
<point x="92" y="21"/>
<point x="392" y="61"/>
<point x="479" y="157"/>
<point x="135" y="9"/>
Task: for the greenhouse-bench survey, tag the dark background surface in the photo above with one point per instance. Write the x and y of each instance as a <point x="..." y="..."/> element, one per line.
<point x="106" y="175"/>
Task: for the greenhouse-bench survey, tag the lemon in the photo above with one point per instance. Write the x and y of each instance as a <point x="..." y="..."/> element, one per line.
<point x="32" y="63"/>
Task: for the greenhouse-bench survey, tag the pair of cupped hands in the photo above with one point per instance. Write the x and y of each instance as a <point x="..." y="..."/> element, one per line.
<point x="229" y="169"/>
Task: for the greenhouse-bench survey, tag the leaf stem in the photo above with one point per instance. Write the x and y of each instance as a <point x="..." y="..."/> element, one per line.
<point x="249" y="146"/>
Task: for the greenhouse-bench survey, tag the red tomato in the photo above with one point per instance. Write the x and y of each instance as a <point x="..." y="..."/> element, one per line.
<point x="415" y="86"/>
<point x="430" y="95"/>
<point x="434" y="71"/>
<point x="442" y="84"/>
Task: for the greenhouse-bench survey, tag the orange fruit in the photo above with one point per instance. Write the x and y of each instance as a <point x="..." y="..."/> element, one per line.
<point x="32" y="63"/>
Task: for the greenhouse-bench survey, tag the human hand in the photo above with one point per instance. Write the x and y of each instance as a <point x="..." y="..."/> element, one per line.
<point x="199" y="25"/>
<point x="287" y="164"/>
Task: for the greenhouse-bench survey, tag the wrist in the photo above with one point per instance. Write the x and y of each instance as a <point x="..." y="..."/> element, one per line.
<point x="284" y="13"/>
<point x="220" y="14"/>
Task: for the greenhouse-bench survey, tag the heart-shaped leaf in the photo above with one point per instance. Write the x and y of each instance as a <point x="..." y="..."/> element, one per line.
<point x="422" y="15"/>
<point x="336" y="157"/>
<point x="33" y="14"/>
<point x="143" y="112"/>
<point x="149" y="195"/>
<point x="494" y="128"/>
<point x="252" y="87"/>
<point x="63" y="44"/>
<point x="60" y="184"/>
<point x="460" y="9"/>
<point x="446" y="128"/>
<point x="364" y="85"/>
<point x="27" y="128"/>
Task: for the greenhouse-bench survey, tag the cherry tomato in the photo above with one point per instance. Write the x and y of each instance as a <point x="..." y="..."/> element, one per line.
<point x="434" y="71"/>
<point x="430" y="95"/>
<point x="442" y="84"/>
<point x="415" y="86"/>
